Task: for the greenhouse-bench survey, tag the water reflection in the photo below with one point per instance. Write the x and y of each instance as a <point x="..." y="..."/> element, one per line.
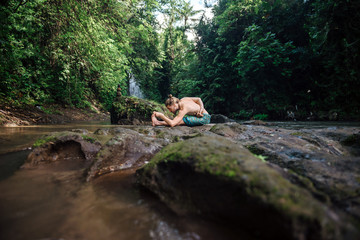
<point x="296" y="125"/>
<point x="11" y="162"/>
<point x="51" y="204"/>
<point x="22" y="137"/>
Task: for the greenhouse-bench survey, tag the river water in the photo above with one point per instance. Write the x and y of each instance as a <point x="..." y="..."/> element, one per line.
<point x="312" y="125"/>
<point x="56" y="203"/>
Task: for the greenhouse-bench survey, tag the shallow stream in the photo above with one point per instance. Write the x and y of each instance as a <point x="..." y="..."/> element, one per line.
<point x="56" y="203"/>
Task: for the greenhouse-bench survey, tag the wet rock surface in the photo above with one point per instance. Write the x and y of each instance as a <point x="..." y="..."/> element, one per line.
<point x="217" y="178"/>
<point x="306" y="181"/>
<point x="127" y="149"/>
<point x="71" y="147"/>
<point x="219" y="118"/>
<point x="316" y="156"/>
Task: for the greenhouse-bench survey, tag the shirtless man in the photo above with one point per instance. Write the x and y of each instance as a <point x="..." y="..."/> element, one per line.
<point x="191" y="113"/>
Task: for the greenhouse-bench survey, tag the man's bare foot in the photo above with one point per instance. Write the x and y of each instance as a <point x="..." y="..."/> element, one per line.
<point x="154" y="120"/>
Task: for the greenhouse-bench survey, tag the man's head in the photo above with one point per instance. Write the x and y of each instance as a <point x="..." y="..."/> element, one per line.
<point x="172" y="103"/>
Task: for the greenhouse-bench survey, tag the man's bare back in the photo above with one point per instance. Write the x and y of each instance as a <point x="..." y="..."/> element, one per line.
<point x="190" y="107"/>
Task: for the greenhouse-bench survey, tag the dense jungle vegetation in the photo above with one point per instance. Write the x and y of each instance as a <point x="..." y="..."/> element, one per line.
<point x="253" y="58"/>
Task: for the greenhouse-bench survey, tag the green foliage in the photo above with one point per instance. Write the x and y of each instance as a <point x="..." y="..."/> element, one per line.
<point x="258" y="52"/>
<point x="253" y="57"/>
<point x="260" y="116"/>
<point x="262" y="62"/>
<point x="270" y="57"/>
<point x="131" y="108"/>
<point x="334" y="39"/>
<point x="171" y="73"/>
<point x="72" y="51"/>
<point x="50" y="110"/>
<point x="242" y="114"/>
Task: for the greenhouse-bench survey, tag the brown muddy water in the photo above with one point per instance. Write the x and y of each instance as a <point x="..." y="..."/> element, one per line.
<point x="55" y="202"/>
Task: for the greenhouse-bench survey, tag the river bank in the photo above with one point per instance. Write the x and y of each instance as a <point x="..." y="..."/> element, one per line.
<point x="24" y="115"/>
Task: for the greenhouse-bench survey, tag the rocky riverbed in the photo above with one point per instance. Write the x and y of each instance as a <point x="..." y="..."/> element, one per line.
<point x="274" y="182"/>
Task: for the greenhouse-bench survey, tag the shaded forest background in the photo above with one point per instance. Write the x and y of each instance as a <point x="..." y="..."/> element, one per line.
<point x="264" y="59"/>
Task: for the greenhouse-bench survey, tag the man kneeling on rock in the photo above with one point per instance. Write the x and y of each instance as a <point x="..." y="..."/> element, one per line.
<point x="191" y="112"/>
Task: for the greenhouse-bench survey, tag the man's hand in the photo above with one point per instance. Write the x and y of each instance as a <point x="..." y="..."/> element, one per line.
<point x="158" y="115"/>
<point x="200" y="113"/>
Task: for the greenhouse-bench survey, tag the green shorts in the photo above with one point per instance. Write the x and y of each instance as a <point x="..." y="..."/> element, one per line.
<point x="192" y="121"/>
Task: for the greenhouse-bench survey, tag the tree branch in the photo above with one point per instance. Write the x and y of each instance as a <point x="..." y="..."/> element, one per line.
<point x="20" y="4"/>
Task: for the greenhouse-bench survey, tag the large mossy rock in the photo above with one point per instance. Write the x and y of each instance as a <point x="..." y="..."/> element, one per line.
<point x="135" y="111"/>
<point x="222" y="180"/>
<point x="131" y="146"/>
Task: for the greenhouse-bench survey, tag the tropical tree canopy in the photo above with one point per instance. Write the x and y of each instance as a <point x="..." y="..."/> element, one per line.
<point x="253" y="58"/>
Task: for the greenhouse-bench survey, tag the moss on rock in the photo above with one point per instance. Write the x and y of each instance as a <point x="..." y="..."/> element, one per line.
<point x="63" y="146"/>
<point x="135" y="111"/>
<point x="220" y="179"/>
<point x="41" y="141"/>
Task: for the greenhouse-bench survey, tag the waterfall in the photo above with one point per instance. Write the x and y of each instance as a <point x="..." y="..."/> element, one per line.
<point x="134" y="88"/>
